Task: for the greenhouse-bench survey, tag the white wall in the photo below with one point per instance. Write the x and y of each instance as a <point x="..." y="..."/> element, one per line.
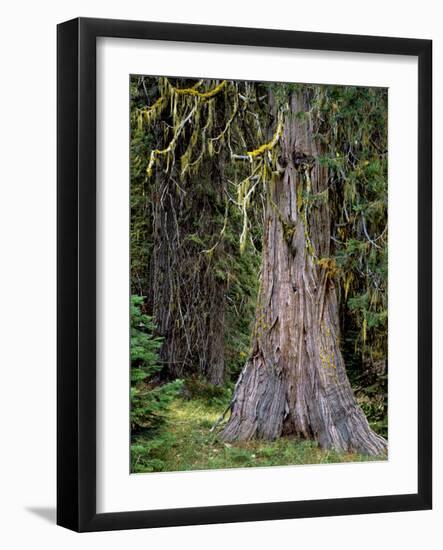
<point x="27" y="272"/>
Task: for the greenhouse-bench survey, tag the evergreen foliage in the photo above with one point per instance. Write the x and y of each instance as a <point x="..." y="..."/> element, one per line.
<point x="150" y="401"/>
<point x="353" y="131"/>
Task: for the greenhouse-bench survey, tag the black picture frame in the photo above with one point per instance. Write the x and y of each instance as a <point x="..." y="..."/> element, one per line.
<point x="76" y="265"/>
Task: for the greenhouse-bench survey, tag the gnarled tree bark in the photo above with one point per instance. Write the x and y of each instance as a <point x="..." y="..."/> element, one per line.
<point x="188" y="299"/>
<point x="295" y="380"/>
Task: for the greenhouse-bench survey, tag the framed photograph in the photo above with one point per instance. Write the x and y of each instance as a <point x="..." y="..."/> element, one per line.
<point x="244" y="274"/>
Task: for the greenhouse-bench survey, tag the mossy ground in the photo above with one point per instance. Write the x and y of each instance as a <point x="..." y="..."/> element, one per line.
<point x="191" y="446"/>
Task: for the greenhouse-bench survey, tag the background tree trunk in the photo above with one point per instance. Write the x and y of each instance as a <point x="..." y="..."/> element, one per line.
<point x="188" y="298"/>
<point x="295" y="380"/>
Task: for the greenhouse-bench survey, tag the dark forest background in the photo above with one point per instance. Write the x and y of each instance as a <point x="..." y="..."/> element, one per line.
<point x="195" y="274"/>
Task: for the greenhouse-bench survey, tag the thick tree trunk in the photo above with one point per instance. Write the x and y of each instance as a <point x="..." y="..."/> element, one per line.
<point x="188" y="299"/>
<point x="295" y="380"/>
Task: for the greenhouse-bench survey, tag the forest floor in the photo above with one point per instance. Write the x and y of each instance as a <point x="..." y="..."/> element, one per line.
<point x="190" y="445"/>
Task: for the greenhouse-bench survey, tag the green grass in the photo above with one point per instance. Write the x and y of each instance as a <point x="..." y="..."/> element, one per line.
<point x="191" y="446"/>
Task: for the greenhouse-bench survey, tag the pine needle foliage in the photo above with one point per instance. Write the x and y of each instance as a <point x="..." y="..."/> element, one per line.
<point x="150" y="401"/>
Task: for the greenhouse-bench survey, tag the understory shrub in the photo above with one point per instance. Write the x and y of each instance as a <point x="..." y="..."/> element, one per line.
<point x="150" y="400"/>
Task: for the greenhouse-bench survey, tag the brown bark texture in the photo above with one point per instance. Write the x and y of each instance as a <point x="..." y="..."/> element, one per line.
<point x="295" y="381"/>
<point x="189" y="301"/>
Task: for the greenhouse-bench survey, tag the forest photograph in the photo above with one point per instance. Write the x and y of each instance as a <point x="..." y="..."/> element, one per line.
<point x="259" y="274"/>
